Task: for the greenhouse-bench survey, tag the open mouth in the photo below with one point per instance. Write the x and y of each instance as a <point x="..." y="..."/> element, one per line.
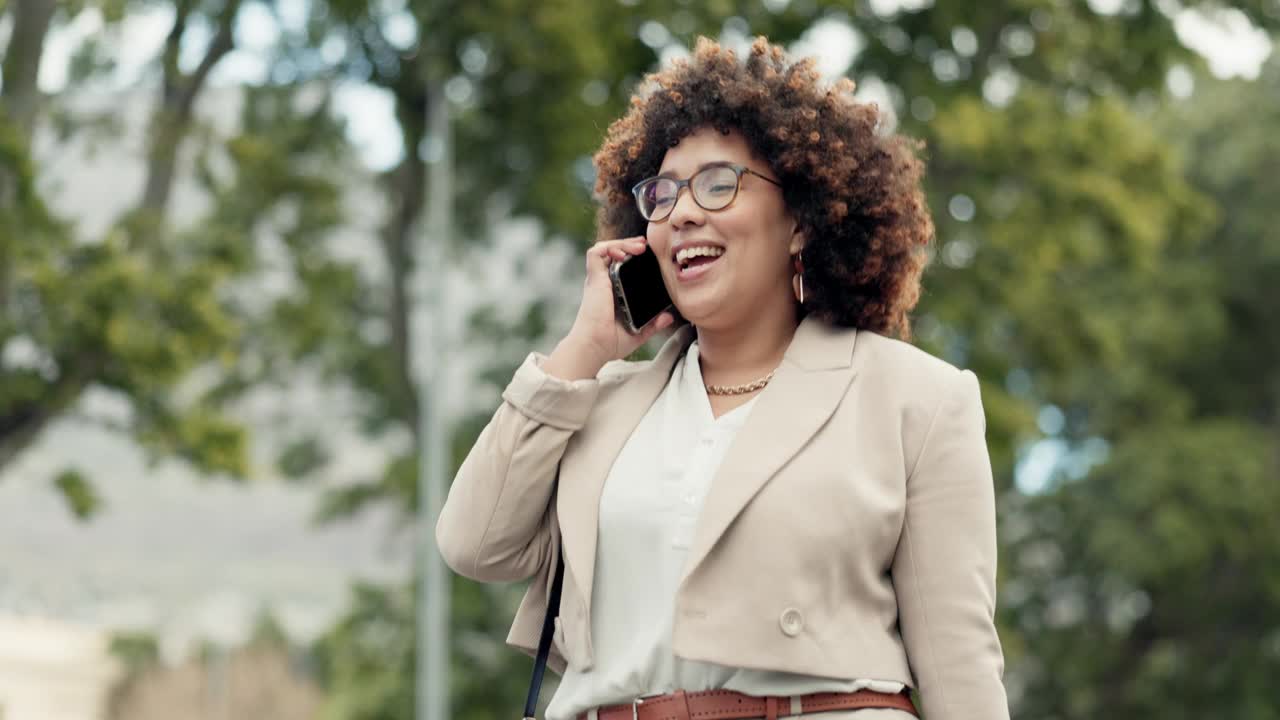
<point x="690" y="259"/>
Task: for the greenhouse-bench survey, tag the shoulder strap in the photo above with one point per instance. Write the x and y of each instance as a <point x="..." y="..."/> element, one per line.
<point x="544" y="642"/>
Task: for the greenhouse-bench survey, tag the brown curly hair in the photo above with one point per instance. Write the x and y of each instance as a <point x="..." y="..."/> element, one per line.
<point x="854" y="192"/>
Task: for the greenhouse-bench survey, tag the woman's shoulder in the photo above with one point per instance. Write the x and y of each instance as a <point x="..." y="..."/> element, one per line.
<point x="903" y="364"/>
<point x="909" y="382"/>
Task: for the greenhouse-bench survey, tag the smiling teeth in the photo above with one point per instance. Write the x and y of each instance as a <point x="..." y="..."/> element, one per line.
<point x="687" y="254"/>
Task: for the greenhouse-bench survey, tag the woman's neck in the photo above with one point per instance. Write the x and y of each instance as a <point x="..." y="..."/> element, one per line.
<point x="747" y="350"/>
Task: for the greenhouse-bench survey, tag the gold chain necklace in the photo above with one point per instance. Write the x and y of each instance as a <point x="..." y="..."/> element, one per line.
<point x="742" y="389"/>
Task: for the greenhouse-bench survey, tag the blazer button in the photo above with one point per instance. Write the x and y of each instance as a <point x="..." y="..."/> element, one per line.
<point x="791" y="622"/>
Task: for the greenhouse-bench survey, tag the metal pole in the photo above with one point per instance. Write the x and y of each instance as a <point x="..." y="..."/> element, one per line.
<point x="432" y="686"/>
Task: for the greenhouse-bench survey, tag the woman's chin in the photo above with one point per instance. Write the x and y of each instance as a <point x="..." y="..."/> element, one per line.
<point x="701" y="313"/>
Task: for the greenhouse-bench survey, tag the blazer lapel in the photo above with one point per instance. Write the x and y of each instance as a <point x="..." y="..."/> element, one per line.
<point x="804" y="392"/>
<point x="598" y="443"/>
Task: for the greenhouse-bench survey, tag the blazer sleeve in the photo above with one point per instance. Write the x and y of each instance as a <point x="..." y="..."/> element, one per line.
<point x="944" y="570"/>
<point x="495" y="525"/>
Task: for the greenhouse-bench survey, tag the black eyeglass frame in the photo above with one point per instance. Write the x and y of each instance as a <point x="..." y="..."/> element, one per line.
<point x="738" y="171"/>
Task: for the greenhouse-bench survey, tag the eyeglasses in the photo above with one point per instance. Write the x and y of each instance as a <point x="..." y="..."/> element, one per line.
<point x="713" y="187"/>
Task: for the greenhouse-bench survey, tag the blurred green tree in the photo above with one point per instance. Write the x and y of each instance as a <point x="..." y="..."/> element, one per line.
<point x="1150" y="585"/>
<point x="149" y="310"/>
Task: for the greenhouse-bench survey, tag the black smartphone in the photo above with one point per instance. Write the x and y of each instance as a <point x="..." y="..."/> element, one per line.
<point x="639" y="294"/>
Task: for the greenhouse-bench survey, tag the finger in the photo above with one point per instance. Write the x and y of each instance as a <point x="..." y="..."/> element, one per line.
<point x="606" y="248"/>
<point x="605" y="251"/>
<point x="632" y="242"/>
<point x="598" y="257"/>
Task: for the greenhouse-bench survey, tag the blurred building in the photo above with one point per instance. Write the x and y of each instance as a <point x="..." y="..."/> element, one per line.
<point x="53" y="670"/>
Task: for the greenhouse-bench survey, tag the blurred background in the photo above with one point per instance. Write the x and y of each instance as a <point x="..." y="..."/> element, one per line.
<point x="212" y="326"/>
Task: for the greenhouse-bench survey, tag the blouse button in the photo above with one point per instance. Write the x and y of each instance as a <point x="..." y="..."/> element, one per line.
<point x="791" y="622"/>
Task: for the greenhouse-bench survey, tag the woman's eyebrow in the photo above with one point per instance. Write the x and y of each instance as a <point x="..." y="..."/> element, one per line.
<point x="672" y="174"/>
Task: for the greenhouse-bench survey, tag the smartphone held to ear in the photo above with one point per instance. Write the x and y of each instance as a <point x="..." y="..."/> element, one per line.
<point x="639" y="294"/>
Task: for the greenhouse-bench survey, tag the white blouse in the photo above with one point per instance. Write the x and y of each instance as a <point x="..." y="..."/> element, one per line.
<point x="648" y="511"/>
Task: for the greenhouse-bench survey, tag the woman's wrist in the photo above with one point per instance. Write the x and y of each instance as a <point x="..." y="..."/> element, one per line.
<point x="572" y="360"/>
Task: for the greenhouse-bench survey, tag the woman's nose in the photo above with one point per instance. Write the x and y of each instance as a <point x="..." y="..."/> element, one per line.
<point x="686" y="210"/>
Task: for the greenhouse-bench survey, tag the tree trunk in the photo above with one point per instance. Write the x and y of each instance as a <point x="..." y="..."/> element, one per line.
<point x="19" y="100"/>
<point x="408" y="184"/>
<point x="20" y="96"/>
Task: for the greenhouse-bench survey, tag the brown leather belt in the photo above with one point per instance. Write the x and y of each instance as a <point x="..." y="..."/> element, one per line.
<point x="730" y="705"/>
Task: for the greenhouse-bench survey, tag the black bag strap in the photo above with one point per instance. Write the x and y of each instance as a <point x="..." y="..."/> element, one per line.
<point x="544" y="642"/>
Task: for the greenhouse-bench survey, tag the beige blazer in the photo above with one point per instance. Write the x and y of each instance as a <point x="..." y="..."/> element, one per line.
<point x="850" y="531"/>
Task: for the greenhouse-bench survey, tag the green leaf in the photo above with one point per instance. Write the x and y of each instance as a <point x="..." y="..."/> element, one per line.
<point x="303" y="457"/>
<point x="78" y="494"/>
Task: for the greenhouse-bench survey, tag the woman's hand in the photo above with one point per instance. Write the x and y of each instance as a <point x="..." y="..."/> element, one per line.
<point x="596" y="336"/>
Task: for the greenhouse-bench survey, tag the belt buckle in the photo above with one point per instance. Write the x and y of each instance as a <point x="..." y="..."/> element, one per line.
<point x="635" y="704"/>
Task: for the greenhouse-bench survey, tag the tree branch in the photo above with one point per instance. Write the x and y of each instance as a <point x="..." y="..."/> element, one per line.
<point x="19" y="427"/>
<point x="177" y="103"/>
<point x="222" y="44"/>
<point x="172" y="74"/>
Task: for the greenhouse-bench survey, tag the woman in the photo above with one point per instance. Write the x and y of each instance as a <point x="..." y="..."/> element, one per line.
<point x="785" y="507"/>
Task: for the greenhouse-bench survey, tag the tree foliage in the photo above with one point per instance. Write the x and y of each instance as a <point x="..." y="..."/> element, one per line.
<point x="1148" y="585"/>
<point x="148" y="310"/>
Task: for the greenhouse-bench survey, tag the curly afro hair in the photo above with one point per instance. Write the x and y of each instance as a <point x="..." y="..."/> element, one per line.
<point x="855" y="192"/>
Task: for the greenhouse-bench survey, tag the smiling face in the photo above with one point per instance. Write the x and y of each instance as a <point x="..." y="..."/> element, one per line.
<point x="741" y="253"/>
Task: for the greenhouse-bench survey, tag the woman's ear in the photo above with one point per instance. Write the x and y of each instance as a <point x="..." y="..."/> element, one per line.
<point x="798" y="240"/>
